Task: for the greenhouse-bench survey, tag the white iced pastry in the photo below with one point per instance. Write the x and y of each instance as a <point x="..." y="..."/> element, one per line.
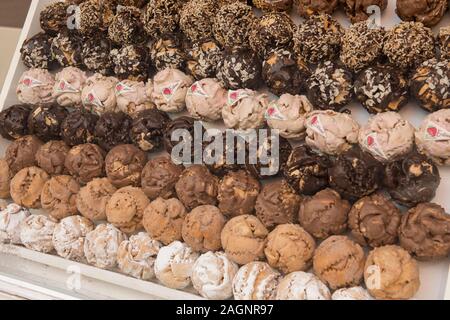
<point x="174" y="263"/>
<point x="288" y="115"/>
<point x="245" y="109"/>
<point x="36" y="87"/>
<point x="353" y="293"/>
<point x="301" y="285"/>
<point x="205" y="100"/>
<point x="387" y="136"/>
<point x="213" y="274"/>
<point x="136" y="256"/>
<point x="255" y="281"/>
<point x="99" y="95"/>
<point x="69" y="83"/>
<point x="101" y="245"/>
<point x="69" y="235"/>
<point x="11" y="218"/>
<point x="331" y="132"/>
<point x="170" y="87"/>
<point x="133" y="96"/>
<point x="36" y="233"/>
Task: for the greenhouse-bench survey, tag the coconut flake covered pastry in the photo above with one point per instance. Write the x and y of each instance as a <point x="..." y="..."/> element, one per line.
<point x="69" y="83"/>
<point x="331" y="132"/>
<point x="101" y="245"/>
<point x="36" y="87"/>
<point x="288" y="114"/>
<point x="302" y="286"/>
<point x="205" y="100"/>
<point x="255" y="281"/>
<point x="136" y="256"/>
<point x="213" y="274"/>
<point x="36" y="233"/>
<point x="99" y="95"/>
<point x="68" y="237"/>
<point x="169" y="90"/>
<point x="173" y="265"/>
<point x="10" y="222"/>
<point x="133" y="96"/>
<point x="353" y="293"/>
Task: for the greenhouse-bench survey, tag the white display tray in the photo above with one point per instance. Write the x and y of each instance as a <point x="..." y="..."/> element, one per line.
<point x="30" y="274"/>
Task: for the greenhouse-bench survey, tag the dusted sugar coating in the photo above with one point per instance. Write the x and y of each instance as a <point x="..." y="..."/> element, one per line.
<point x="36" y="52"/>
<point x="147" y="129"/>
<point x="45" y="121"/>
<point x="170" y="87"/>
<point x="381" y="88"/>
<point x="353" y="293"/>
<point x="26" y="187"/>
<point x="425" y="232"/>
<point x="330" y="86"/>
<point x="85" y="162"/>
<point x="68" y="85"/>
<point x="202" y="227"/>
<point x="213" y="274"/>
<point x="331" y="132"/>
<point x="300" y="285"/>
<point x="408" y="44"/>
<point x="430" y="84"/>
<point x="255" y="281"/>
<point x="124" y="164"/>
<point x="66" y="49"/>
<point x="35" y="87"/>
<point x="5" y="179"/>
<point x="288" y="115"/>
<point x="244" y="238"/>
<point x="237" y="193"/>
<point x="359" y="10"/>
<point x="14" y="121"/>
<point x="443" y="39"/>
<point x="289" y="248"/>
<point x="131" y="62"/>
<point x="59" y="195"/>
<point x="339" y="262"/>
<point x="308" y="8"/>
<point x="240" y="68"/>
<point x="159" y="177"/>
<point x="203" y="59"/>
<point x="96" y="54"/>
<point x="133" y="96"/>
<point x="36" y="233"/>
<point x="168" y="52"/>
<point x="11" y="219"/>
<point x="126" y="26"/>
<point x="98" y="96"/>
<point x="387" y="136"/>
<point x="21" y="153"/>
<point x="174" y="264"/>
<point x="78" y="127"/>
<point x="374" y="221"/>
<point x="276" y="204"/>
<point x="324" y="214"/>
<point x="162" y="16"/>
<point x="163" y="219"/>
<point x="93" y="198"/>
<point x="427" y="12"/>
<point x="196" y="19"/>
<point x="112" y="129"/>
<point x="355" y="174"/>
<point x="273" y="5"/>
<point x="412" y="180"/>
<point x="69" y="235"/>
<point x="101" y="246"/>
<point x="318" y="38"/>
<point x="391" y="273"/>
<point x="205" y="100"/>
<point x="136" y="256"/>
<point x="197" y="186"/>
<point x="51" y="157"/>
<point x="245" y="109"/>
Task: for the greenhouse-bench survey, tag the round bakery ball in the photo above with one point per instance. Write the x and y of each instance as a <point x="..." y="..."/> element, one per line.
<point x="93" y="197"/>
<point x="244" y="238"/>
<point x="21" y="153"/>
<point x="112" y="129"/>
<point x="161" y="16"/>
<point x="53" y="17"/>
<point x="424" y="232"/>
<point x="131" y="62"/>
<point x="51" y="157"/>
<point x="36" y="233"/>
<point x="68" y="85"/>
<point x="443" y="39"/>
<point x="14" y="121"/>
<point x="361" y="10"/>
<point x="101" y="245"/>
<point x="187" y="126"/>
<point x="159" y="177"/>
<point x="26" y="187"/>
<point x="270" y="5"/>
<point x="427" y="12"/>
<point x="301" y="285"/>
<point x="5" y="179"/>
<point x="133" y="96"/>
<point x="126" y="27"/>
<point x="255" y="281"/>
<point x="45" y="121"/>
<point x="66" y="48"/>
<point x="174" y="264"/>
<point x="78" y="127"/>
<point x="412" y="180"/>
<point x="58" y="196"/>
<point x="390" y="273"/>
<point x="168" y="52"/>
<point x="36" y="87"/>
<point x="96" y="54"/>
<point x="69" y="236"/>
<point x="196" y="19"/>
<point x="429" y="84"/>
<point x="311" y="8"/>
<point x="374" y="221"/>
<point x="85" y="162"/>
<point x="339" y="262"/>
<point x="352" y="293"/>
<point x="163" y="219"/>
<point x="94" y="16"/>
<point x="408" y="44"/>
<point x="36" y="52"/>
<point x="11" y="218"/>
<point x="98" y="95"/>
<point x="147" y="129"/>
<point x="124" y="164"/>
<point x="205" y="100"/>
<point x="132" y="3"/>
<point x="203" y="58"/>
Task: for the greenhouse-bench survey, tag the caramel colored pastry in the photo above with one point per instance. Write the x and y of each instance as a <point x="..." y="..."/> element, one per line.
<point x="360" y="10"/>
<point x="85" y="162"/>
<point x="93" y="197"/>
<point x="163" y="219"/>
<point x="21" y="153"/>
<point x="255" y="281"/>
<point x="59" y="196"/>
<point x="324" y="214"/>
<point x="308" y="8"/>
<point x="27" y="185"/>
<point x="11" y="217"/>
<point x="429" y="12"/>
<point x="391" y="273"/>
<point x="300" y="285"/>
<point x="339" y="262"/>
<point x="36" y="233"/>
<point x="425" y="232"/>
<point x="124" y="164"/>
<point x="374" y="220"/>
<point x="5" y="179"/>
<point x="159" y="177"/>
<point x="51" y="157"/>
<point x="289" y="248"/>
<point x="243" y="239"/>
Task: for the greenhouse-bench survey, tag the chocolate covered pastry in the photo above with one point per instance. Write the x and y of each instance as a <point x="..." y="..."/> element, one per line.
<point x="51" y="157"/>
<point x="427" y="12"/>
<point x="36" y="87"/>
<point x="443" y="39"/>
<point x="58" y="196"/>
<point x="168" y="52"/>
<point x="359" y="10"/>
<point x="93" y="198"/>
<point x="85" y="162"/>
<point x="240" y="68"/>
<point x="94" y="16"/>
<point x="196" y="19"/>
<point x="161" y="16"/>
<point x="21" y="153"/>
<point x="14" y="121"/>
<point x="147" y="129"/>
<point x="124" y="164"/>
<point x="203" y="59"/>
<point x="45" y="121"/>
<point x="98" y="95"/>
<point x="270" y="5"/>
<point x="308" y="8"/>
<point x="180" y="123"/>
<point x="126" y="27"/>
<point x="26" y="187"/>
<point x="36" y="52"/>
<point x="96" y="54"/>
<point x="159" y="177"/>
<point x="112" y="129"/>
<point x="66" y="49"/>
<point x="78" y="127"/>
<point x="131" y="62"/>
<point x="53" y="17"/>
<point x="256" y="281"/>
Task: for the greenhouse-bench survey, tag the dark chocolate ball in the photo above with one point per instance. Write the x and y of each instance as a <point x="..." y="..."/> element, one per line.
<point x="443" y="39"/>
<point x="95" y="16"/>
<point x="196" y="19"/>
<point x="67" y="48"/>
<point x="167" y="52"/>
<point x="270" y="5"/>
<point x="162" y="16"/>
<point x="203" y="59"/>
<point x="45" y="121"/>
<point x="78" y="127"/>
<point x="96" y="54"/>
<point x="53" y="18"/>
<point x="429" y="12"/>
<point x="36" y="52"/>
<point x="147" y="129"/>
<point x="14" y="121"/>
<point x="112" y="129"/>
<point x="126" y="27"/>
<point x="358" y="10"/>
<point x="228" y="160"/>
<point x="133" y="3"/>
<point x="131" y="62"/>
